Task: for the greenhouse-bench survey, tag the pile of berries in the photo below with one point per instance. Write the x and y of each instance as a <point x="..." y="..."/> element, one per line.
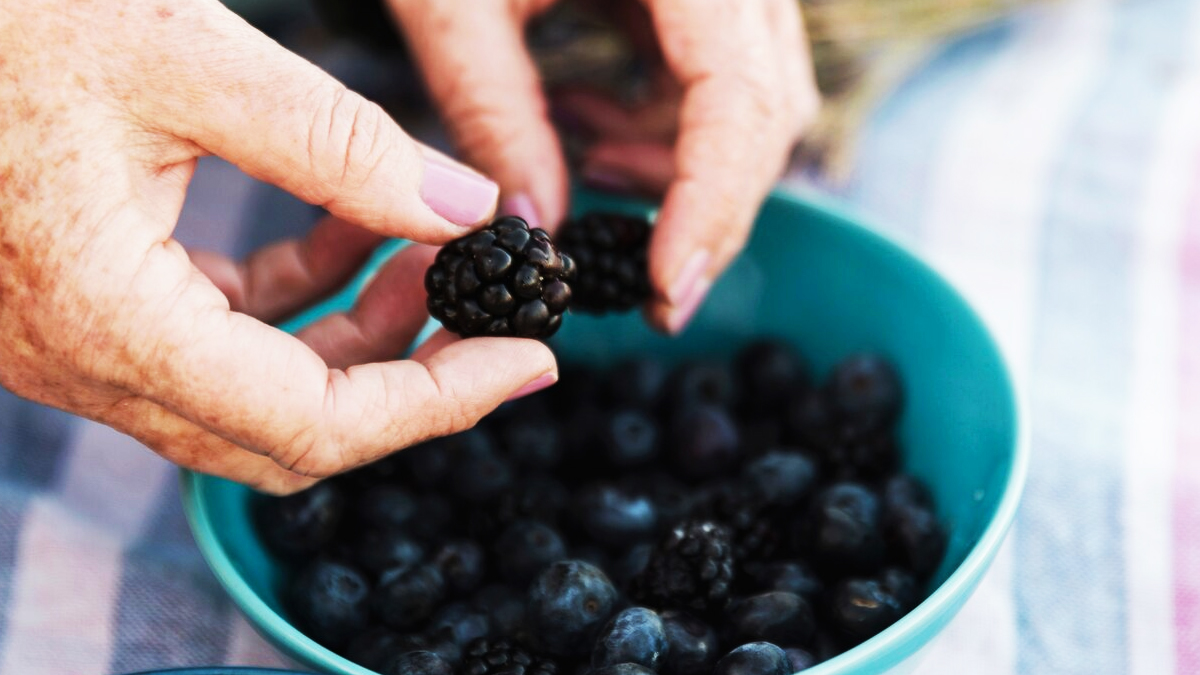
<point x="732" y="518"/>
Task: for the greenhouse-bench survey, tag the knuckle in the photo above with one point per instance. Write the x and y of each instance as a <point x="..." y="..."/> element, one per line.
<point x="313" y="455"/>
<point x="346" y="143"/>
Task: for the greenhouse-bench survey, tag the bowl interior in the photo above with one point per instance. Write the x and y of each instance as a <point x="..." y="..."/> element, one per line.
<point x="831" y="287"/>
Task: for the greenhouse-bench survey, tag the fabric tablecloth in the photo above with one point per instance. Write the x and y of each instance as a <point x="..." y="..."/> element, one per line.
<point x="1050" y="166"/>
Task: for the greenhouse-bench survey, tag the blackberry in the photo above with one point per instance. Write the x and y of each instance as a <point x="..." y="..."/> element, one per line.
<point x="691" y="568"/>
<point x="743" y="513"/>
<point x="503" y="657"/>
<point x="610" y="250"/>
<point x="505" y="280"/>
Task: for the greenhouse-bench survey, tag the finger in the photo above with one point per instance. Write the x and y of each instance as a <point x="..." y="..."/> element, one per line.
<point x="284" y="277"/>
<point x="439" y="340"/>
<point x="600" y="114"/>
<point x="235" y="93"/>
<point x="795" y="60"/>
<point x="385" y="319"/>
<point x="483" y="80"/>
<point x="732" y="145"/>
<point x="630" y="166"/>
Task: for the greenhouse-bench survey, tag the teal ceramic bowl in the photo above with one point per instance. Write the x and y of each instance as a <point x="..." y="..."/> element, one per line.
<point x="815" y="276"/>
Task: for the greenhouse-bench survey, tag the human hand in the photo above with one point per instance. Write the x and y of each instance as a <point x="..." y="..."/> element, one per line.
<point x="736" y="90"/>
<point x="102" y="313"/>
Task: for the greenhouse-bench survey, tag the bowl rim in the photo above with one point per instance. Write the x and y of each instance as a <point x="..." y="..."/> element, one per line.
<point x="886" y="645"/>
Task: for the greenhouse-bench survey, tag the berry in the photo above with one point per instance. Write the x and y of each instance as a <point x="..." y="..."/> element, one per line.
<point x="860" y="608"/>
<point x="755" y="658"/>
<point x="777" y="617"/>
<point x="459" y="623"/>
<point x="671" y="499"/>
<point x="705" y="442"/>
<point x="380" y="550"/>
<point x="504" y="280"/>
<point x="329" y="602"/>
<point x="770" y="371"/>
<point x="406" y="599"/>
<point x="622" y="669"/>
<point x="614" y="517"/>
<point x="418" y="663"/>
<point x="794" y="576"/>
<point x="481" y="476"/>
<point x="854" y="455"/>
<point x="532" y="441"/>
<point x="701" y="382"/>
<point x="901" y="584"/>
<point x="525" y="548"/>
<point x="634" y="635"/>
<point x="377" y="645"/>
<point x="809" y="419"/>
<point x="842" y="530"/>
<point x="610" y="250"/>
<point x="567" y="604"/>
<point x="505" y="607"/>
<point x="300" y="523"/>
<point x="630" y="438"/>
<point x="865" y="391"/>
<point x="503" y="657"/>
<point x="781" y="477"/>
<point x="691" y="644"/>
<point x="384" y="506"/>
<point x="691" y="568"/>
<point x="462" y="564"/>
<point x="535" y="497"/>
<point x="915" y="537"/>
<point x="428" y="465"/>
<point x="631" y="564"/>
<point x="905" y="490"/>
<point x="799" y="659"/>
<point x="743" y="514"/>
<point x="436" y="516"/>
<point x="638" y="383"/>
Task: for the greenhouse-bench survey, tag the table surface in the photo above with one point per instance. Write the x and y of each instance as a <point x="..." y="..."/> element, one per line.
<point x="1050" y="166"/>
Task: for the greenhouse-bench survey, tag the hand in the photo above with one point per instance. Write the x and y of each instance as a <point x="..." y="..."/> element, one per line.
<point x="736" y="91"/>
<point x="102" y="313"/>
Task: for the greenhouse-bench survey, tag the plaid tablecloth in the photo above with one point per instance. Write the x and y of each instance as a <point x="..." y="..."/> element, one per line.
<point x="1050" y="166"/>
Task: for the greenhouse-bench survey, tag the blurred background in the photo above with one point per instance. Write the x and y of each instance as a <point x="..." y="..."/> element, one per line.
<point x="1044" y="154"/>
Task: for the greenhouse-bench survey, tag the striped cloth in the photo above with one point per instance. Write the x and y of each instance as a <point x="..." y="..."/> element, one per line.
<point x="1050" y="166"/>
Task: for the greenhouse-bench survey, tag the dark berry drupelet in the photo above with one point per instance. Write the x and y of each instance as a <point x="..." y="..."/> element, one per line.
<point x="691" y="644"/>
<point x="744" y="515"/>
<point x="755" y="658"/>
<point x="691" y="568"/>
<point x="505" y="280"/>
<point x="503" y="657"/>
<point x="634" y="635"/>
<point x="301" y="523"/>
<point x="610" y="251"/>
<point x="567" y="604"/>
<point x="329" y="602"/>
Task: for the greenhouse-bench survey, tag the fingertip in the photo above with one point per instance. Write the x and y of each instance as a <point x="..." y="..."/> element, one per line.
<point x="457" y="194"/>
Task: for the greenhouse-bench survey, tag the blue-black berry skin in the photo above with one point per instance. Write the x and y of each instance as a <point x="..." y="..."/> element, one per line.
<point x="631" y="438"/>
<point x="865" y="391"/>
<point x="622" y="669"/>
<point x="329" y="602"/>
<point x="615" y="517"/>
<point x="567" y="604"/>
<point x="777" y="617"/>
<point x="505" y="607"/>
<point x="301" y="523"/>
<point x="781" y="477"/>
<point x="379" y="550"/>
<point x="460" y="623"/>
<point x="384" y="506"/>
<point x="705" y="442"/>
<point x="702" y="383"/>
<point x="692" y="645"/>
<point x="637" y="384"/>
<point x="418" y="663"/>
<point x="479" y="477"/>
<point x="610" y="251"/>
<point x="634" y="635"/>
<point x="771" y="371"/>
<point x="791" y="576"/>
<point x="405" y="600"/>
<point x="915" y="538"/>
<point x="525" y="548"/>
<point x="799" y="659"/>
<point x="842" y="530"/>
<point x="534" y="442"/>
<point x="755" y="658"/>
<point x="860" y="609"/>
<point x="463" y="565"/>
<point x="377" y="645"/>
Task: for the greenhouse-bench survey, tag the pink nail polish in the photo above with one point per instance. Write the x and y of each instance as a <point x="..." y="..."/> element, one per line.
<point x="683" y="314"/>
<point x="538" y="384"/>
<point x="605" y="179"/>
<point x="457" y="194"/>
<point x="521" y="206"/>
<point x="688" y="276"/>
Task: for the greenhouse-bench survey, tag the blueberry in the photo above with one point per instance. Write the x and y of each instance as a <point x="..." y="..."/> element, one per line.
<point x="916" y="538"/>
<point x="793" y="576"/>
<point x="614" y="517"/>
<point x="852" y="454"/>
<point x="631" y="564"/>
<point x="435" y="516"/>
<point x="842" y="530"/>
<point x="705" y="442"/>
<point x="701" y="383"/>
<point x="480" y="477"/>
<point x="535" y="497"/>
<point x="865" y="390"/>
<point x="622" y="669"/>
<point x="525" y="548"/>
<point x="905" y="490"/>
<point x="777" y="617"/>
<point x="300" y="523"/>
<point x="384" y="506"/>
<point x="770" y="371"/>
<point x="799" y="659"/>
<point x="901" y="585"/>
<point x="672" y="500"/>
<point x="567" y="604"/>
<point x="809" y="419"/>
<point x="638" y="383"/>
<point x="631" y="438"/>
<point x="462" y="564"/>
<point x="533" y="441"/>
<point x="860" y="608"/>
<point x="459" y="623"/>
<point x="377" y="645"/>
<point x="427" y="465"/>
<point x="755" y="658"/>
<point x="634" y="635"/>
<point x="781" y="477"/>
<point x="691" y="644"/>
<point x="418" y="663"/>
<point x="406" y="599"/>
<point x="446" y="649"/>
<point x="379" y="550"/>
<point x="505" y="607"/>
<point x="329" y="602"/>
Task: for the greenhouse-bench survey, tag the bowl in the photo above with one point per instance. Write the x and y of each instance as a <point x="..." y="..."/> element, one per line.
<point x="811" y="274"/>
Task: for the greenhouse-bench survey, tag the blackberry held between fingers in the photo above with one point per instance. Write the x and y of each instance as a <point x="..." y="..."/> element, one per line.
<point x="610" y="250"/>
<point x="692" y="568"/>
<point x="505" y="280"/>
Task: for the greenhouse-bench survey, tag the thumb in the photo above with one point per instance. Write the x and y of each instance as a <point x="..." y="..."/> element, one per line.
<point x="283" y="120"/>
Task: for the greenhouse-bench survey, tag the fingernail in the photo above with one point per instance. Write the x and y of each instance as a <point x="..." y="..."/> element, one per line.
<point x="521" y="206"/>
<point x="605" y="179"/>
<point x="538" y="384"/>
<point x="683" y="313"/>
<point x="456" y="193"/>
<point x="688" y="277"/>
